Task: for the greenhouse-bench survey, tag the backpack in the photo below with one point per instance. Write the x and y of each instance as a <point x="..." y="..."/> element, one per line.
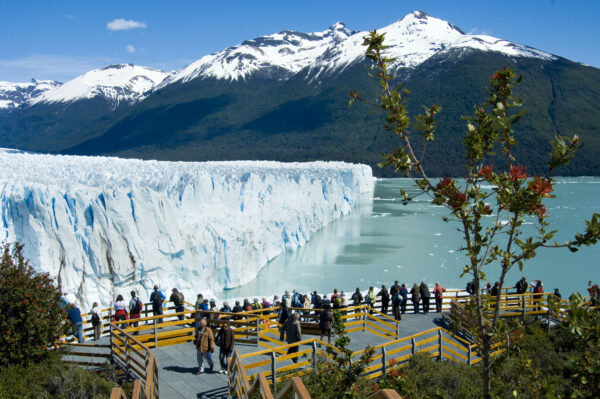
<point x="157" y="299"/>
<point x="95" y="319"/>
<point x="296" y="301"/>
<point x="396" y="297"/>
<point x="178" y="299"/>
<point x="137" y="308"/>
<point x="338" y="300"/>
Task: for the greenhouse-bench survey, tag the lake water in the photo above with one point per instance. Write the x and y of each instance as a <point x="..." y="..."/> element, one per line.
<point x="383" y="241"/>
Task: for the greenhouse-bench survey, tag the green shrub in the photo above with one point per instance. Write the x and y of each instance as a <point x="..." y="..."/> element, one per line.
<point x="31" y="319"/>
<point x="51" y="378"/>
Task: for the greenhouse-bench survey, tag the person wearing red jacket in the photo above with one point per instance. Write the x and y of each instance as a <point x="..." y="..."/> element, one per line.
<point x="438" y="292"/>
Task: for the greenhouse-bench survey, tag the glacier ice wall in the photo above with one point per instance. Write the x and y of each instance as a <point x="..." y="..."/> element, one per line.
<point x="104" y="226"/>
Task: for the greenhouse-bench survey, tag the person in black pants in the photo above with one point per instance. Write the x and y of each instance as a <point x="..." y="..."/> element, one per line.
<point x="425" y="294"/>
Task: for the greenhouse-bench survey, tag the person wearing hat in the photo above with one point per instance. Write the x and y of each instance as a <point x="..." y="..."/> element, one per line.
<point x="178" y="300"/>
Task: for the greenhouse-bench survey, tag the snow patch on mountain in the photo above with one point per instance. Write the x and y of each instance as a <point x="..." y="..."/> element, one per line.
<point x="414" y="39"/>
<point x="116" y="83"/>
<point x="288" y="51"/>
<point x="105" y="226"/>
<point x="13" y="95"/>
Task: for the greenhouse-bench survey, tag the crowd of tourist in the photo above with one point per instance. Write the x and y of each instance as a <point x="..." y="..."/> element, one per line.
<point x="292" y="307"/>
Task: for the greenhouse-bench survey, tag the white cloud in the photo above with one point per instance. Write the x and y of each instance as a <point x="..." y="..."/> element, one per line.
<point x="124" y="24"/>
<point x="478" y="31"/>
<point x="130" y="49"/>
<point x="49" y="66"/>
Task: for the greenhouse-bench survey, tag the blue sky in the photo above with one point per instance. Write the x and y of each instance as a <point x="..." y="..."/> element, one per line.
<point x="51" y="39"/>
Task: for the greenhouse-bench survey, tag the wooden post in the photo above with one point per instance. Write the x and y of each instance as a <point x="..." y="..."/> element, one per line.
<point x="548" y="316"/>
<point x="383" y="361"/>
<point x="257" y="331"/>
<point x="439" y="345"/>
<point x="146" y="311"/>
<point x="314" y="356"/>
<point x="247" y="323"/>
<point x="469" y="355"/>
<point x="274" y="371"/>
<point x="155" y="336"/>
<point x="127" y="354"/>
<point x="413" y="347"/>
<point x="523" y="308"/>
<point x="109" y="321"/>
<point x="397" y="330"/>
<point x="365" y="319"/>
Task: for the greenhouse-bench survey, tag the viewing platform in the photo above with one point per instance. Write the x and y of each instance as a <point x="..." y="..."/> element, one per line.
<point x="161" y="358"/>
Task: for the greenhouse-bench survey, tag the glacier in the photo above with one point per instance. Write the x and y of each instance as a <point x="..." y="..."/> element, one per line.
<point x="105" y="226"/>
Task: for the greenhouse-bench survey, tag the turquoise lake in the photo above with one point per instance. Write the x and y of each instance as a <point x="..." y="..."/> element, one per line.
<point x="383" y="241"/>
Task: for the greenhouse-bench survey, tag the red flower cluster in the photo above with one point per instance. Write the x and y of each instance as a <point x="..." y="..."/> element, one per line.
<point x="517" y="172"/>
<point x="486" y="171"/>
<point x="454" y="197"/>
<point x="542" y="187"/>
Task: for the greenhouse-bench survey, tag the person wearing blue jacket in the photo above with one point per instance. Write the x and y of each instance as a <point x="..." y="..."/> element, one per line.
<point x="74" y="316"/>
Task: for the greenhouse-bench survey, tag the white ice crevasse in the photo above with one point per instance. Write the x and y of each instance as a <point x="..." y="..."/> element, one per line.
<point x="105" y="226"/>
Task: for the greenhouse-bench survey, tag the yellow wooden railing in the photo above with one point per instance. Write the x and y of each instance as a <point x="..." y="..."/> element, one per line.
<point x="138" y="360"/>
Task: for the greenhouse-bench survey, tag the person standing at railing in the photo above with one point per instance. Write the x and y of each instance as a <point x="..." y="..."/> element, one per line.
<point x="225" y="308"/>
<point x="521" y="286"/>
<point x="284" y="314"/>
<point x="438" y="293"/>
<point x="293" y="334"/>
<point x="205" y="346"/>
<point x="296" y="302"/>
<point x="404" y="293"/>
<point x="415" y="297"/>
<point x="557" y="294"/>
<point x="135" y="309"/>
<point x="326" y="322"/>
<point x="237" y="308"/>
<point x="538" y="294"/>
<point x="266" y="305"/>
<point x="317" y="302"/>
<point x="178" y="300"/>
<point x="74" y="316"/>
<point x="120" y="308"/>
<point x="370" y="299"/>
<point x="96" y="321"/>
<point x="385" y="299"/>
<point x="157" y="298"/>
<point x="396" y="300"/>
<point x="306" y="305"/>
<point x="425" y="295"/>
<point x="356" y="299"/>
<point x="225" y="341"/>
<point x="594" y="292"/>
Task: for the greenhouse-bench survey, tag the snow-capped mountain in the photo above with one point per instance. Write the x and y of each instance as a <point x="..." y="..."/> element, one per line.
<point x="121" y="83"/>
<point x="13" y="95"/>
<point x="412" y="40"/>
<point x="287" y="52"/>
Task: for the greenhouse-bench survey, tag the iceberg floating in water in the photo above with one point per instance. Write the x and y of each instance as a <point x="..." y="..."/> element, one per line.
<point x="104" y="226"/>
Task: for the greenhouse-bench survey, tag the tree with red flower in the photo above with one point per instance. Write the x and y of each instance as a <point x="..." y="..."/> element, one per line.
<point x="488" y="243"/>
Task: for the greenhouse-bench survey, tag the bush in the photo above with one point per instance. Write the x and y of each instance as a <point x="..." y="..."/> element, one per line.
<point x="31" y="319"/>
<point x="51" y="378"/>
<point x="424" y="377"/>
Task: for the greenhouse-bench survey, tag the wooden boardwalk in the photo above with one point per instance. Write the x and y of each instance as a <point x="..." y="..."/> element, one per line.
<point x="177" y="363"/>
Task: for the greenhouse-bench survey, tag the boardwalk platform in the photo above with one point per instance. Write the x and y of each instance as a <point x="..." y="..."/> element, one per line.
<point x="177" y="363"/>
